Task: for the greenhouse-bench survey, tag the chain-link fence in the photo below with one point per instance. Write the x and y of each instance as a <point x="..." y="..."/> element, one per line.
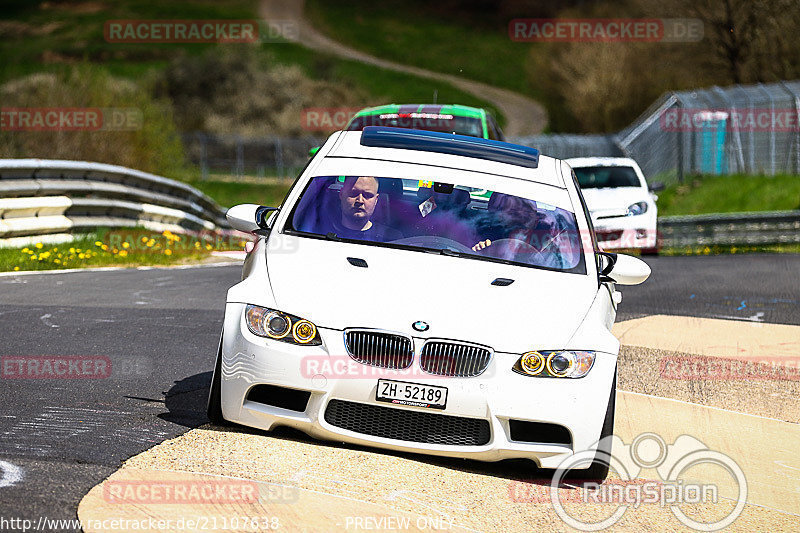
<point x="741" y="129"/>
<point x="234" y="157"/>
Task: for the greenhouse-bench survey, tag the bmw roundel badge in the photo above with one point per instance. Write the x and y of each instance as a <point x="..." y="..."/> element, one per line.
<point x="419" y="325"/>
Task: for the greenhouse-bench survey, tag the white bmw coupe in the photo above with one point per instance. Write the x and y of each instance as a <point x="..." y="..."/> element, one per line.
<point x="429" y="293"/>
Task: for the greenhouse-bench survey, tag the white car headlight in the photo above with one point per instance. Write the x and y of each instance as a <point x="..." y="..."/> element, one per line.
<point x="639" y="208"/>
<point x="555" y="364"/>
<point x="281" y="326"/>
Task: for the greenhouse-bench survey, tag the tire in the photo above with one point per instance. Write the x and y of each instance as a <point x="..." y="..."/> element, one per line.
<point x="598" y="470"/>
<point x="650" y="251"/>
<point x="214" y="408"/>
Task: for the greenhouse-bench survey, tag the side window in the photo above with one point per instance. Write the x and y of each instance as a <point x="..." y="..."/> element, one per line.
<point x="494" y="131"/>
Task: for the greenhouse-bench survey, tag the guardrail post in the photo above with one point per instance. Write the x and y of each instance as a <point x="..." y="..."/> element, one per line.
<point x="796" y="98"/>
<point x="771" y="130"/>
<point x="203" y="156"/>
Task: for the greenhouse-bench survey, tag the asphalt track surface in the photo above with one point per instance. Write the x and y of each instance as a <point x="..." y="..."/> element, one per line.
<point x="160" y="327"/>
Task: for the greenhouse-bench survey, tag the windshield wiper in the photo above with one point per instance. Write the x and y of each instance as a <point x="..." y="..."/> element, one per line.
<point x="331" y="236"/>
<point x="450" y="252"/>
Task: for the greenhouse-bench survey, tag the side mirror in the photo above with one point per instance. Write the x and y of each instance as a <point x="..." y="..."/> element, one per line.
<point x="313" y="151"/>
<point x="250" y="218"/>
<point x="656" y="186"/>
<point x="623" y="269"/>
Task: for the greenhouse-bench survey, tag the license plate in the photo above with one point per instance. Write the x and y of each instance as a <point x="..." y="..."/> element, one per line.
<point x="414" y="394"/>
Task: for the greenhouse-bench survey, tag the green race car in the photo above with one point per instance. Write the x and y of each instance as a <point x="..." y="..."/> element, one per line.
<point x="459" y="119"/>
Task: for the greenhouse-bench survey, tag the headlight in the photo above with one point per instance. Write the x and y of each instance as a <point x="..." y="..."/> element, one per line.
<point x="639" y="208"/>
<point x="555" y="364"/>
<point x="281" y="326"/>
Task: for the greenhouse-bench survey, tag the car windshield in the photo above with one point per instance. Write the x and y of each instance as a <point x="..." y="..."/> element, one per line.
<point x="433" y="216"/>
<point x="440" y="122"/>
<point x="606" y="177"/>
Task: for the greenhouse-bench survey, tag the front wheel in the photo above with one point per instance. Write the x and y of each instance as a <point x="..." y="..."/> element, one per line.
<point x="214" y="408"/>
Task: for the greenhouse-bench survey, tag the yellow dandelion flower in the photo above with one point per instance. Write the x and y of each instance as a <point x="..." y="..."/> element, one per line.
<point x="39" y="245"/>
<point x="105" y="247"/>
<point x="150" y="243"/>
<point x="167" y="252"/>
<point x="56" y="261"/>
<point x="144" y="239"/>
<point x="72" y="250"/>
<point x="126" y="245"/>
<point x="98" y="243"/>
<point x="33" y="258"/>
<point x="208" y="246"/>
<point x="123" y="253"/>
<point x="16" y="268"/>
<point x="81" y="256"/>
<point x="25" y="250"/>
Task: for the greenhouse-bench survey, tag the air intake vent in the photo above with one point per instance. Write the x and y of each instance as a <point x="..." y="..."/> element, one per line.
<point x="540" y="432"/>
<point x="411" y="426"/>
<point x="291" y="399"/>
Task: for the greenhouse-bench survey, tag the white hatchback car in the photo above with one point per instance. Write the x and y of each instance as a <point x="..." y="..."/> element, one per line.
<point x="430" y="293"/>
<point x="622" y="206"/>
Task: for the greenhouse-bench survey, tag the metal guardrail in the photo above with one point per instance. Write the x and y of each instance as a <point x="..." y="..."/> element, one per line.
<point x="53" y="198"/>
<point x="731" y="229"/>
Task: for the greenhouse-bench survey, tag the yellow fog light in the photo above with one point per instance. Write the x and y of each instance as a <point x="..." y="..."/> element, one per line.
<point x="532" y="363"/>
<point x="304" y="331"/>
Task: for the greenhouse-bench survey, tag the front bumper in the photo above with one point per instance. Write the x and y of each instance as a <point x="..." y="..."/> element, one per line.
<point x="627" y="232"/>
<point x="497" y="396"/>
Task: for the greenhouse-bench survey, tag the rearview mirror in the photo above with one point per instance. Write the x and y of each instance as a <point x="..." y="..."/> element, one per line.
<point x="623" y="269"/>
<point x="656" y="186"/>
<point x="250" y="218"/>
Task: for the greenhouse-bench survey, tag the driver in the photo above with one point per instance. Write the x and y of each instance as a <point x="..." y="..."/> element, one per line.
<point x="358" y="198"/>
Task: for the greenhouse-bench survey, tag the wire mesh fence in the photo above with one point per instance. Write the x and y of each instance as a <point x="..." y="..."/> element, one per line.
<point x="741" y="129"/>
<point x="235" y="157"/>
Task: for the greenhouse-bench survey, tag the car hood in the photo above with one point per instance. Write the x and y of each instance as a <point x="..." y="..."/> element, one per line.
<point x="616" y="199"/>
<point x="313" y="279"/>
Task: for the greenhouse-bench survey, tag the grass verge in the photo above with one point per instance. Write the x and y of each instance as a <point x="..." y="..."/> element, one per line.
<point x="127" y="247"/>
<point x="230" y="193"/>
<point x="730" y="194"/>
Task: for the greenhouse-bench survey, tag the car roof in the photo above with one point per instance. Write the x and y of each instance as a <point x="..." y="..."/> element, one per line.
<point x="449" y="109"/>
<point x="601" y="161"/>
<point x="348" y="144"/>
